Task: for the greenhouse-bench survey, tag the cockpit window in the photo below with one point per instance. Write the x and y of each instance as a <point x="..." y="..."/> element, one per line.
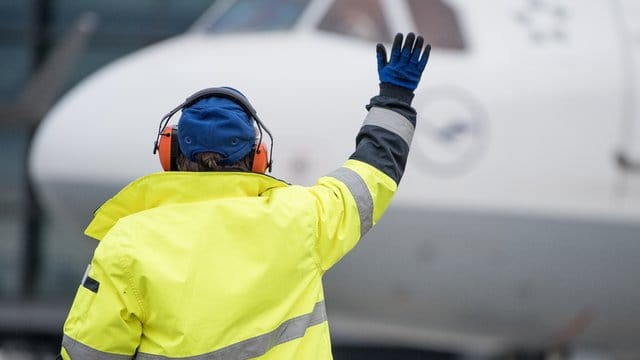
<point x="437" y="22"/>
<point x="359" y="18"/>
<point x="263" y="15"/>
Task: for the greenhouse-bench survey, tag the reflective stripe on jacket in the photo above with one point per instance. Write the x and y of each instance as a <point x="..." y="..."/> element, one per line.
<point x="226" y="265"/>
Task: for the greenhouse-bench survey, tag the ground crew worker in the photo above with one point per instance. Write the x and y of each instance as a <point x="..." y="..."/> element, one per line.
<point x="218" y="261"/>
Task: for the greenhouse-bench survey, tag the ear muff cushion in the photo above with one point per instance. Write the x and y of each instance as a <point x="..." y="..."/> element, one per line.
<point x="168" y="148"/>
<point x="260" y="159"/>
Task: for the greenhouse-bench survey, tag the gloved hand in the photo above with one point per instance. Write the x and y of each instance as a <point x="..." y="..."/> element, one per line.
<point x="405" y="66"/>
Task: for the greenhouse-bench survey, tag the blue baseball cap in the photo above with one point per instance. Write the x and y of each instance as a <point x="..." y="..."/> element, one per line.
<point x="216" y="124"/>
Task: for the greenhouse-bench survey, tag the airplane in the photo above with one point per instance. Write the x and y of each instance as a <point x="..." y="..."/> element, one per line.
<point x="516" y="228"/>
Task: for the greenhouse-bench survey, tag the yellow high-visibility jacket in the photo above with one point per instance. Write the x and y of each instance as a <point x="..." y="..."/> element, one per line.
<point x="229" y="265"/>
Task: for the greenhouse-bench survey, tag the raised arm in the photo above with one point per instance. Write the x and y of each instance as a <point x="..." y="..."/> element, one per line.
<point x="385" y="137"/>
<point x="361" y="190"/>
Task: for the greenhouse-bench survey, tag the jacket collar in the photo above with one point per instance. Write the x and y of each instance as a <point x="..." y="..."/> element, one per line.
<point x="176" y="187"/>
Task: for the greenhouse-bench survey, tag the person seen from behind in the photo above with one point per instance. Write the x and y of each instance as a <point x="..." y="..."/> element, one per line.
<point x="213" y="259"/>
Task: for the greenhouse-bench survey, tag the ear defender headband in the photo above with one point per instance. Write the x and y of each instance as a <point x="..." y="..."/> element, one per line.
<point x="167" y="146"/>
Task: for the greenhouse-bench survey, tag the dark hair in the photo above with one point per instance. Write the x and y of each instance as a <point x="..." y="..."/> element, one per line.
<point x="210" y="161"/>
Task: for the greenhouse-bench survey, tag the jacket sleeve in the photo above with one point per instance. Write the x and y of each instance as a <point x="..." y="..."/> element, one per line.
<point x="353" y="198"/>
<point x="104" y="320"/>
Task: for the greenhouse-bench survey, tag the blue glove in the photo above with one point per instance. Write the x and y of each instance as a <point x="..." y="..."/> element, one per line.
<point x="405" y="66"/>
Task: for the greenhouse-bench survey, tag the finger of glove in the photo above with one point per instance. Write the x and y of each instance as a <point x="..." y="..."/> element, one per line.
<point x="408" y="46"/>
<point x="381" y="54"/>
<point x="425" y="57"/>
<point x="417" y="49"/>
<point x="395" y="49"/>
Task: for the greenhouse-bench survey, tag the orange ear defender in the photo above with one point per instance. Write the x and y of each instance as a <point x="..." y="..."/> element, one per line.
<point x="168" y="149"/>
<point x="167" y="146"/>
<point x="260" y="159"/>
